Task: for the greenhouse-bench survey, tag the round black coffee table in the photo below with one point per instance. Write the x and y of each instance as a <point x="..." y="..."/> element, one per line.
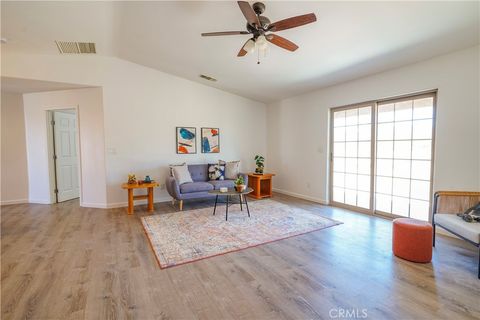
<point x="231" y="192"/>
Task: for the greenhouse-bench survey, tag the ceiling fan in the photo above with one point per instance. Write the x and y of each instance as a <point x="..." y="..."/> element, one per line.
<point x="258" y="26"/>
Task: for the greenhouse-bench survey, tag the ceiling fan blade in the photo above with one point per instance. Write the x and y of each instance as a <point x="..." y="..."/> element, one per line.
<point x="281" y="42"/>
<point x="249" y="14"/>
<point x="293" y="22"/>
<point x="223" y="33"/>
<point x="242" y="51"/>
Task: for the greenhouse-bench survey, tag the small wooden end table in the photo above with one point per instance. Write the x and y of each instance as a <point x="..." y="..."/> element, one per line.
<point x="261" y="185"/>
<point x="131" y="186"/>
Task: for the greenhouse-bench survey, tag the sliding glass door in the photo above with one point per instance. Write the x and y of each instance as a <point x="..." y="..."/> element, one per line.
<point x="351" y="157"/>
<point x="404" y="157"/>
<point x="398" y="136"/>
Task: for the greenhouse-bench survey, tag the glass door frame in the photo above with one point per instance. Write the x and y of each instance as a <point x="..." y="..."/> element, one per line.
<point x="372" y="105"/>
<point x="373" y="149"/>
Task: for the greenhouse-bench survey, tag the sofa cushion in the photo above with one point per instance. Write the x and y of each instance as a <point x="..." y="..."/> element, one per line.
<point x="468" y="230"/>
<point x="195" y="187"/>
<point x="199" y="172"/>
<point x="232" y="169"/>
<point x="216" y="172"/>
<point x="182" y="174"/>
<point x="217" y="184"/>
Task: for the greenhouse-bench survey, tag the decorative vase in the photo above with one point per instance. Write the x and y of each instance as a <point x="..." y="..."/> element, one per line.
<point x="240" y="187"/>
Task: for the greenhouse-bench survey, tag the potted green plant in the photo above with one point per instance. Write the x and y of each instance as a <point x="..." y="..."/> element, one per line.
<point x="259" y="161"/>
<point x="240" y="184"/>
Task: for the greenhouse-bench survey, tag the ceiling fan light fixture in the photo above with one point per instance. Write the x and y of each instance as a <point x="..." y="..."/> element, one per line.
<point x="249" y="46"/>
<point x="261" y="43"/>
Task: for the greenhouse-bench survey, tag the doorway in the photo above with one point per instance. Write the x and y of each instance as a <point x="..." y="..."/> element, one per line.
<point x="65" y="155"/>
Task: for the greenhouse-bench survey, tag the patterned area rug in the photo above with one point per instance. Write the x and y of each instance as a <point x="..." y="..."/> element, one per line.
<point x="183" y="237"/>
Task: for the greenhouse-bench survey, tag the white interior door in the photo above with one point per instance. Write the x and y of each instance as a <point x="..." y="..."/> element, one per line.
<point x="66" y="164"/>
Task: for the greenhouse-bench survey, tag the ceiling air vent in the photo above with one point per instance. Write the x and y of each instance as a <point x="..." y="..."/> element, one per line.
<point x="75" y="47"/>
<point x="207" y="78"/>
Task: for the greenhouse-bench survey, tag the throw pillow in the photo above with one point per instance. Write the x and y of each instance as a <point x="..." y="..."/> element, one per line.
<point x="216" y="172"/>
<point x="171" y="166"/>
<point x="182" y="174"/>
<point x="232" y="169"/>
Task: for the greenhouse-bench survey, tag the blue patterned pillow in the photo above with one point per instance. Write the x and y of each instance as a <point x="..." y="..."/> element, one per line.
<point x="216" y="172"/>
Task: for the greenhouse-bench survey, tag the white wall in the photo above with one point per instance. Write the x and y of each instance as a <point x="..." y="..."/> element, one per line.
<point x="297" y="137"/>
<point x="14" y="157"/>
<point x="142" y="107"/>
<point x="92" y="160"/>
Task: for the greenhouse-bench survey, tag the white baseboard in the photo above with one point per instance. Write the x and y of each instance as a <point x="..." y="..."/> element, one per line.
<point x="39" y="201"/>
<point x="301" y="196"/>
<point x="8" y="202"/>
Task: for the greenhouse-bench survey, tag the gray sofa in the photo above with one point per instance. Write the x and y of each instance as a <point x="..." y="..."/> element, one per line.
<point x="199" y="187"/>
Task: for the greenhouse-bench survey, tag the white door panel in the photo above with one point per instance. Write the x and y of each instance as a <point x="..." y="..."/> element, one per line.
<point x="66" y="151"/>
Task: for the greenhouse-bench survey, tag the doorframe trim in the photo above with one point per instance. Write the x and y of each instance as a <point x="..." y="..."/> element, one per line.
<point x="51" y="163"/>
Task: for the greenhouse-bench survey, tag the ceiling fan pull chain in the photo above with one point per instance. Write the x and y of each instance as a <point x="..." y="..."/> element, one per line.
<point x="258" y="56"/>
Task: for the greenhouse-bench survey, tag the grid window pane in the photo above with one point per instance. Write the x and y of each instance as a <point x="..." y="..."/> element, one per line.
<point x="401" y="187"/>
<point x="402" y="149"/>
<point x="351" y="117"/>
<point x="421" y="169"/>
<point x="351" y="133"/>
<point x="385" y="131"/>
<point x="400" y="206"/>
<point x="385" y="149"/>
<point x="351" y="197"/>
<point x="365" y="115"/>
<point x="363" y="182"/>
<point x="420" y="190"/>
<point x="338" y="194"/>
<point x="351" y="149"/>
<point x="339" y="134"/>
<point x="339" y="164"/>
<point x="363" y="166"/>
<point x="339" y="179"/>
<point x="364" y="132"/>
<point x="339" y="149"/>
<point x="351" y="165"/>
<point x="423" y="108"/>
<point x="403" y="110"/>
<point x="339" y="119"/>
<point x="363" y="199"/>
<point x="419" y="209"/>
<point x="422" y="129"/>
<point x="385" y="167"/>
<point x="383" y="203"/>
<point x="364" y="149"/>
<point x="401" y="168"/>
<point x="422" y="149"/>
<point x="385" y="113"/>
<point x="384" y="185"/>
<point x="403" y="130"/>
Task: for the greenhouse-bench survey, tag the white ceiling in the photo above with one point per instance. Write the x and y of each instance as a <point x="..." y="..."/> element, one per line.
<point x="17" y="85"/>
<point x="349" y="40"/>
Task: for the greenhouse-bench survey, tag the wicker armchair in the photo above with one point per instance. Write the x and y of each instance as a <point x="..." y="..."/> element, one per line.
<point x="445" y="207"/>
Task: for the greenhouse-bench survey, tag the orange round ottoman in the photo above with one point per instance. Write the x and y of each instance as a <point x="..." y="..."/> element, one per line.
<point x="412" y="240"/>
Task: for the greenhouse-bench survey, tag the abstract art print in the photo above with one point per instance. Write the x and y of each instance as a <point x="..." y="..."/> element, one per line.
<point x="210" y="140"/>
<point x="186" y="140"/>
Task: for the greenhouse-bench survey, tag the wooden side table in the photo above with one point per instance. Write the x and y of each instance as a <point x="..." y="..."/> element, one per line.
<point x="131" y="197"/>
<point x="261" y="185"/>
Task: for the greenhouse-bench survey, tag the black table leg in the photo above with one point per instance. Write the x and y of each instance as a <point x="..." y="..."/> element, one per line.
<point x="246" y="204"/>
<point x="226" y="210"/>
<point x="240" y="196"/>
<point x="215" y="208"/>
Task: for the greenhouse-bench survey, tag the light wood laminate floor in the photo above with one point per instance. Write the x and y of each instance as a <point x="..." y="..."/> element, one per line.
<point x="66" y="262"/>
